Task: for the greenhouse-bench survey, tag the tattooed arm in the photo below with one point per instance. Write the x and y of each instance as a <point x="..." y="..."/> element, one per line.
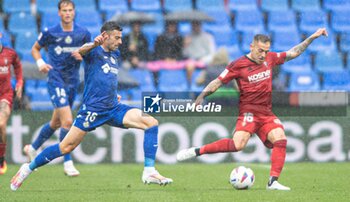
<point x="209" y="89"/>
<point x="300" y="48"/>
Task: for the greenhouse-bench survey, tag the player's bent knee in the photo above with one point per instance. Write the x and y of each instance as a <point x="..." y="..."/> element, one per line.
<point x="150" y="122"/>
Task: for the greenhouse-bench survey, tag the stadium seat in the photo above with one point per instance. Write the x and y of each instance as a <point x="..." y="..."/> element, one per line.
<point x="2" y="26"/>
<point x="225" y="37"/>
<point x="30" y="87"/>
<point x="145" y="79"/>
<point x="329" y="61"/>
<point x="340" y="21"/>
<point x="310" y="21"/>
<point x="113" y="5"/>
<point x="91" y="20"/>
<point x="336" y="81"/>
<point x="336" y="5"/>
<point x="11" y="6"/>
<point x="22" y="22"/>
<point x="234" y="52"/>
<point x="177" y="5"/>
<point x="238" y="5"/>
<point x="24" y="43"/>
<point x="285" y="40"/>
<point x="282" y="21"/>
<point x="152" y="30"/>
<point x="47" y="6"/>
<point x="247" y="38"/>
<point x="274" y="5"/>
<point x="184" y="28"/>
<point x="304" y="82"/>
<point x="345" y="42"/>
<point x="6" y="39"/>
<point x="208" y="5"/>
<point x="249" y="21"/>
<point x="49" y="19"/>
<point x="306" y="5"/>
<point x="323" y="44"/>
<point x="146" y="5"/>
<point x="85" y="5"/>
<point x="172" y="80"/>
<point x="298" y="65"/>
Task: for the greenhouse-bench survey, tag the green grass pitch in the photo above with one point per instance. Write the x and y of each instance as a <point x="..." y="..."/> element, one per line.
<point x="192" y="182"/>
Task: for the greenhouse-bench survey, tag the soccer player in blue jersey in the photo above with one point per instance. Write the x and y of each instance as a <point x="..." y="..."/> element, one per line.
<point x="63" y="76"/>
<point x="101" y="106"/>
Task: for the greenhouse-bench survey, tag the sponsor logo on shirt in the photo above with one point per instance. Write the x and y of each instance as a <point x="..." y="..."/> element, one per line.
<point x="259" y="76"/>
<point x="59" y="50"/>
<point x="106" y="69"/>
<point x="4" y="69"/>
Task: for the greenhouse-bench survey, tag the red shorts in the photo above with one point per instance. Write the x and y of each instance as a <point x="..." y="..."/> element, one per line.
<point x="260" y="124"/>
<point x="7" y="97"/>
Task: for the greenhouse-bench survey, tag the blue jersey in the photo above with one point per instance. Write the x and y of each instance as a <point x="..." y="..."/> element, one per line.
<point x="101" y="79"/>
<point x="60" y="45"/>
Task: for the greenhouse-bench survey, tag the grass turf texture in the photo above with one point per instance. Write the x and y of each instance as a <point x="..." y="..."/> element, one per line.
<point x="192" y="182"/>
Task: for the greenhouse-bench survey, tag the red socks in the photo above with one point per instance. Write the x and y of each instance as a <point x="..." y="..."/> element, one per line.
<point x="223" y="145"/>
<point x="278" y="156"/>
<point x="2" y="149"/>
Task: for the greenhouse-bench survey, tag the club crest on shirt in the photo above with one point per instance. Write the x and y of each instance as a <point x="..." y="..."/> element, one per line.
<point x="265" y="63"/>
<point x="113" y="61"/>
<point x="68" y="40"/>
<point x="86" y="124"/>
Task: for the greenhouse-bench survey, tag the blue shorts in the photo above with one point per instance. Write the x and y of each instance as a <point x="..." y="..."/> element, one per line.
<point x="89" y="120"/>
<point x="60" y="95"/>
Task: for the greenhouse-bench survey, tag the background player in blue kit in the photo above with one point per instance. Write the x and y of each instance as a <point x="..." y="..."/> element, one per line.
<point x="101" y="106"/>
<point x="63" y="75"/>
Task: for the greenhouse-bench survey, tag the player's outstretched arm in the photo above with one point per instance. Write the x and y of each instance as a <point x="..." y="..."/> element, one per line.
<point x="86" y="48"/>
<point x="209" y="89"/>
<point x="300" y="48"/>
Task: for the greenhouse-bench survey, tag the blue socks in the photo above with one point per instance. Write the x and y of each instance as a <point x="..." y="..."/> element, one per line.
<point x="150" y="146"/>
<point x="63" y="134"/>
<point x="45" y="133"/>
<point x="47" y="155"/>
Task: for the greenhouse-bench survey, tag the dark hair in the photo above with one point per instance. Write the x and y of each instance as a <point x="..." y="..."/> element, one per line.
<point x="61" y="2"/>
<point x="262" y="38"/>
<point x="110" y="26"/>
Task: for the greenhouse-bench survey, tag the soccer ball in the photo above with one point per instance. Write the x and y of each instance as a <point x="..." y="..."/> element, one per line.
<point x="242" y="178"/>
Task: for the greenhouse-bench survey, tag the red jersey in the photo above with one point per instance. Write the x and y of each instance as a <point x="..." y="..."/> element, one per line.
<point x="254" y="80"/>
<point x="8" y="58"/>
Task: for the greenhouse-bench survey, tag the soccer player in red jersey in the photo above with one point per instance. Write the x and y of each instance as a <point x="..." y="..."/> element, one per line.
<point x="253" y="73"/>
<point x="8" y="58"/>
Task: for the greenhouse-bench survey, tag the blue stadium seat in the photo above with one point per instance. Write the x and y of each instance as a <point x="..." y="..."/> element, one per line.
<point x="234" y="52"/>
<point x="91" y="20"/>
<point x="249" y="21"/>
<point x="304" y="82"/>
<point x="47" y="6"/>
<point x="172" y="80"/>
<point x="323" y="44"/>
<point x="177" y="5"/>
<point x="111" y="13"/>
<point x="85" y="5"/>
<point x="146" y="5"/>
<point x="328" y="61"/>
<point x="274" y="5"/>
<point x="6" y="39"/>
<point x="224" y="37"/>
<point x="306" y="5"/>
<point x="145" y="79"/>
<point x="238" y="5"/>
<point x="2" y="26"/>
<point x="151" y="31"/>
<point x="310" y="21"/>
<point x="10" y="6"/>
<point x="336" y="81"/>
<point x="207" y="5"/>
<point x="298" y="65"/>
<point x="285" y="40"/>
<point x="336" y="5"/>
<point x="24" y="43"/>
<point x="40" y="100"/>
<point x="49" y="19"/>
<point x="113" y="5"/>
<point x="184" y="28"/>
<point x="282" y="21"/>
<point x="30" y="87"/>
<point x="22" y="22"/>
<point x="340" y="21"/>
<point x="345" y="42"/>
